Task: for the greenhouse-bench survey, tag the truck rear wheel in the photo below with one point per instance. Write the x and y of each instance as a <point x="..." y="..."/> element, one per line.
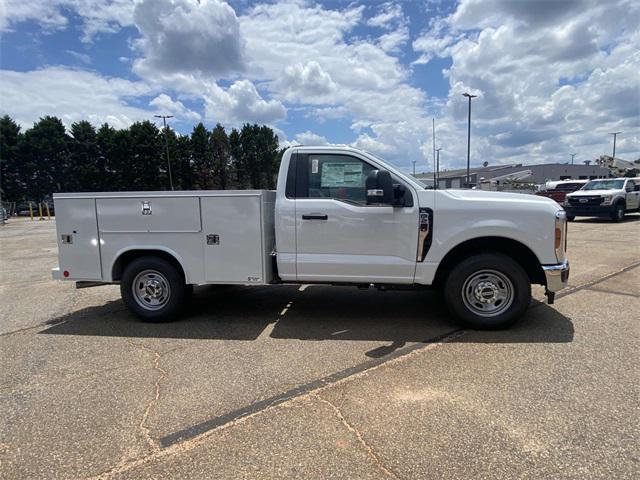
<point x="487" y="291"/>
<point x="152" y="288"/>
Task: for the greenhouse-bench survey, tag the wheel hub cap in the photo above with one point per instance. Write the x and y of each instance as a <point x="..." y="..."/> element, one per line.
<point x="151" y="290"/>
<point x="488" y="293"/>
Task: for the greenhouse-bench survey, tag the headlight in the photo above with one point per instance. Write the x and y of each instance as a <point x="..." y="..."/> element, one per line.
<point x="606" y="199"/>
<point x="560" y="236"/>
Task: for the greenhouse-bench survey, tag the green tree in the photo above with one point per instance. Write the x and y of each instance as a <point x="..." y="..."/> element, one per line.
<point x="145" y="170"/>
<point x="237" y="169"/>
<point x="201" y="157"/>
<point x="11" y="166"/>
<point x="45" y="151"/>
<point x="183" y="162"/>
<point x="82" y="170"/>
<point x="220" y="153"/>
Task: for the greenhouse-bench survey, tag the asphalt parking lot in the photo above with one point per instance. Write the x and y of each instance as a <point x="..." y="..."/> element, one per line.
<point x="319" y="382"/>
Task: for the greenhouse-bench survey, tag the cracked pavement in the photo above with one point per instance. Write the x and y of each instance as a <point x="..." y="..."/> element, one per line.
<point x="318" y="382"/>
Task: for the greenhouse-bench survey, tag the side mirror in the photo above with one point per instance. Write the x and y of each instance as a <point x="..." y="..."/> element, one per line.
<point x="379" y="188"/>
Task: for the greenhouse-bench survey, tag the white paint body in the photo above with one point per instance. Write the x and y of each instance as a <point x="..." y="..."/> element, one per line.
<point x="355" y="244"/>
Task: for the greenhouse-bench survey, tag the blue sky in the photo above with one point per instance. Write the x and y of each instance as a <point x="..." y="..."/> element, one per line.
<point x="552" y="77"/>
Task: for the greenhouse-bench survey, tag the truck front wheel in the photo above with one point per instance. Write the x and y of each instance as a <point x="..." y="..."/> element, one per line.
<point x="617" y="214"/>
<point x="152" y="288"/>
<point x="487" y="291"/>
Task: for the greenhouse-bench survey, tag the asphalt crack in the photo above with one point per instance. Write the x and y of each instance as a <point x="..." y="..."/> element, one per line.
<point x="370" y="451"/>
<point x="144" y="429"/>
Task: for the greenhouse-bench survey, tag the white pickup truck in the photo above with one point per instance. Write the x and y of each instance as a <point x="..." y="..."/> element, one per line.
<point x="339" y="216"/>
<point x="611" y="197"/>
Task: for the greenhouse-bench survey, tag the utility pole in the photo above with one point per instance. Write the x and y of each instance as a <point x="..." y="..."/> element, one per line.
<point x="438" y="167"/>
<point x="414" y="167"/>
<point x="615" y="134"/>
<point x="433" y="129"/>
<point x="166" y="145"/>
<point x="469" y="96"/>
<point x="572" y="157"/>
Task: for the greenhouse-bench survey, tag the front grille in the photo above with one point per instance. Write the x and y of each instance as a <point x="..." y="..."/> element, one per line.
<point x="590" y="200"/>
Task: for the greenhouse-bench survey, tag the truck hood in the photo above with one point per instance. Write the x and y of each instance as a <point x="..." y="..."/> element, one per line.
<point x="590" y="193"/>
<point x="483" y="195"/>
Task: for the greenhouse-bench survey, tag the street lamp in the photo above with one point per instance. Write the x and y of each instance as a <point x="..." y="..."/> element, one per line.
<point x="414" y="168"/>
<point x="437" y="167"/>
<point x="572" y="157"/>
<point x="615" y="134"/>
<point x="166" y="145"/>
<point x="469" y="96"/>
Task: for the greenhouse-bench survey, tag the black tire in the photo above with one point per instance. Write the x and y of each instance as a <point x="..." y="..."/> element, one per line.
<point x="159" y="275"/>
<point x="617" y="214"/>
<point x="469" y="282"/>
<point x="571" y="218"/>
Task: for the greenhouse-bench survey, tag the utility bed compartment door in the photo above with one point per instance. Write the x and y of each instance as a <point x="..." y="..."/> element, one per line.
<point x="78" y="241"/>
<point x="152" y="214"/>
<point x="233" y="239"/>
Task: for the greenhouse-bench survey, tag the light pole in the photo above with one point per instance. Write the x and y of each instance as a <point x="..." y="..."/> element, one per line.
<point x="469" y="96"/>
<point x="572" y="157"/>
<point x="615" y="134"/>
<point x="414" y="167"/>
<point x="437" y="167"/>
<point x="166" y="145"/>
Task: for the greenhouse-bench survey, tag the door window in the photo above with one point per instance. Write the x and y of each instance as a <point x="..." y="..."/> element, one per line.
<point x="340" y="177"/>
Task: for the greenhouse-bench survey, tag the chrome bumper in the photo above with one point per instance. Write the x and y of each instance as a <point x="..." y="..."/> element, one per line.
<point x="557" y="276"/>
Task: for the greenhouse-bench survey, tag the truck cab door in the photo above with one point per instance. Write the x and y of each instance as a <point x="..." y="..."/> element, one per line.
<point x="339" y="237"/>
<point x="632" y="194"/>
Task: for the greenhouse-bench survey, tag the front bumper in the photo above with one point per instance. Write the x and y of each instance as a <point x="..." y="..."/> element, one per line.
<point x="557" y="276"/>
<point x="588" y="211"/>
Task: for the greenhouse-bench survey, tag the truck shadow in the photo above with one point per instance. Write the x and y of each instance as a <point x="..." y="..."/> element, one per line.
<point x="316" y="313"/>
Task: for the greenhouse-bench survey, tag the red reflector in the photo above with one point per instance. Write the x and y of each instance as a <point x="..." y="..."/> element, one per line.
<point x="65" y="273"/>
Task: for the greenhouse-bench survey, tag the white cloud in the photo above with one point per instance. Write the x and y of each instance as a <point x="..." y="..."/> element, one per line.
<point x="46" y="13"/>
<point x="82" y="57"/>
<point x="97" y="16"/>
<point x="165" y="104"/>
<point x="517" y="56"/>
<point x="241" y="102"/>
<point x="393" y="41"/>
<point x="388" y="14"/>
<point x="71" y="95"/>
<point x="301" y="82"/>
<point x="310" y="138"/>
<point x="186" y="36"/>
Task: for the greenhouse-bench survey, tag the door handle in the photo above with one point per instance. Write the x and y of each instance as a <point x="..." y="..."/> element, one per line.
<point x="315" y="216"/>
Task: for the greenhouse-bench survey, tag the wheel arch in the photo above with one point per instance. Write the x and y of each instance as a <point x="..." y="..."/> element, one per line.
<point x="518" y="251"/>
<point x="125" y="257"/>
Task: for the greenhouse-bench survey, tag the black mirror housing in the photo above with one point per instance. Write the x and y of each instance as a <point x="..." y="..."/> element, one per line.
<point x="379" y="188"/>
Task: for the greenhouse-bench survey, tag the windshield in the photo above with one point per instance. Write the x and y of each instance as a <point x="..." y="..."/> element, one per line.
<point x="604" y="185"/>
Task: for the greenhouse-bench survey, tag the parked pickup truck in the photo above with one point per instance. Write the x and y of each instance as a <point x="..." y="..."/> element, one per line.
<point x="611" y="197"/>
<point x="559" y="190"/>
<point x="340" y="216"/>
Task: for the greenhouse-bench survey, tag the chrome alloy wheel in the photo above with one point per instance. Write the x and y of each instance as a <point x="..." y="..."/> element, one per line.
<point x="151" y="290"/>
<point x="488" y="293"/>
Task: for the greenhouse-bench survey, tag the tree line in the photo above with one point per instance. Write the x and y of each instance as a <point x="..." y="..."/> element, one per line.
<point x="47" y="158"/>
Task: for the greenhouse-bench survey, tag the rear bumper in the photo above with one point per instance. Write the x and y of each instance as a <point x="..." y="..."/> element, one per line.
<point x="557" y="276"/>
<point x="587" y="211"/>
<point x="56" y="274"/>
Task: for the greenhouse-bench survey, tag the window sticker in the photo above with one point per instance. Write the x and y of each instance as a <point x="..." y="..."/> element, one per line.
<point x="341" y="175"/>
<point x="314" y="165"/>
